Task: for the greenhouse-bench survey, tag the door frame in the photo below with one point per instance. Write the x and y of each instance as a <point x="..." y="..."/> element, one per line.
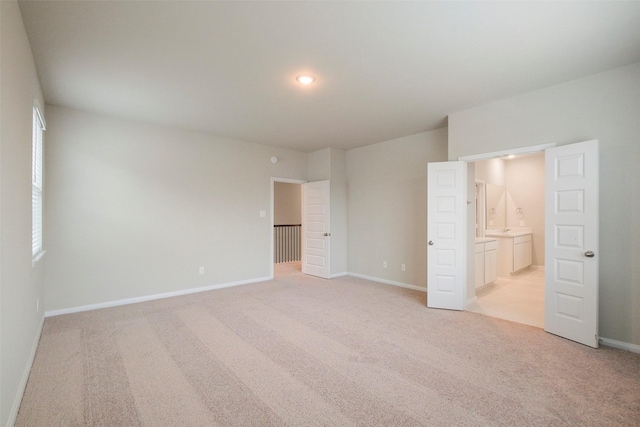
<point x="502" y="153"/>
<point x="488" y="156"/>
<point x="523" y="150"/>
<point x="272" y="214"/>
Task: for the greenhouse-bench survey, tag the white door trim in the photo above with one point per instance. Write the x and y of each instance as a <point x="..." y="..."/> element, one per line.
<point x="502" y="153"/>
<point x="531" y="149"/>
<point x="272" y="213"/>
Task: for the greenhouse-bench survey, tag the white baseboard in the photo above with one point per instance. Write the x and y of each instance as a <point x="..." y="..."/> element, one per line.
<point x="333" y="276"/>
<point x="536" y="267"/>
<point x="634" y="348"/>
<point x="388" y="282"/>
<point x="25" y="377"/>
<point x="150" y="297"/>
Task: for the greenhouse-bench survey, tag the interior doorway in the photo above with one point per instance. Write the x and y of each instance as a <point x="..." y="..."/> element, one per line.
<point x="510" y="198"/>
<point x="286" y="203"/>
<point x="571" y="237"/>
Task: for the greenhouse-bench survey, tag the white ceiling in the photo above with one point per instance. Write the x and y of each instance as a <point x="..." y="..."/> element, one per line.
<point x="384" y="69"/>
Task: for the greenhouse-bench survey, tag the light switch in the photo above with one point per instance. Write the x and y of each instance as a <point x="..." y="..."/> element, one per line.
<point x="263" y="214"/>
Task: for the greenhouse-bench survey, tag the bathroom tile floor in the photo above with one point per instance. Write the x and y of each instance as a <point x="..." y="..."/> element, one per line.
<point x="519" y="298"/>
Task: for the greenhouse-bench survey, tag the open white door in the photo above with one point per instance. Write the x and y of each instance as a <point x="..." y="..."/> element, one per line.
<point x="571" y="261"/>
<point x="315" y="229"/>
<point x="446" y="235"/>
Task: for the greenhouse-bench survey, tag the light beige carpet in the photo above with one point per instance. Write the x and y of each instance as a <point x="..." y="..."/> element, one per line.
<point x="301" y="351"/>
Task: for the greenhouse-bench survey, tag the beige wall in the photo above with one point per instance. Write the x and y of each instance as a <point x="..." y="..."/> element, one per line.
<point x="287" y="203"/>
<point x="605" y="107"/>
<point x="330" y="164"/>
<point x="319" y="165"/>
<point x="525" y="189"/>
<point x="387" y="202"/>
<point x="491" y="171"/>
<point x="523" y="181"/>
<point x="21" y="285"/>
<point x="339" y="212"/>
<point x="134" y="210"/>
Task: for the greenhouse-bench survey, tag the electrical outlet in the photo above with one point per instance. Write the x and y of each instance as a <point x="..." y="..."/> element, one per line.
<point x="521" y="223"/>
<point x="384" y="264"/>
<point x="201" y="270"/>
<point x="403" y="267"/>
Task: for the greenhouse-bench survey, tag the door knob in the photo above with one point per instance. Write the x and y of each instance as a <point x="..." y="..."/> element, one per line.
<point x="327" y="234"/>
<point x="589" y="254"/>
<point x="430" y="242"/>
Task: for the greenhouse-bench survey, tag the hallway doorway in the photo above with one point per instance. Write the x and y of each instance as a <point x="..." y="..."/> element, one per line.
<point x="287" y="224"/>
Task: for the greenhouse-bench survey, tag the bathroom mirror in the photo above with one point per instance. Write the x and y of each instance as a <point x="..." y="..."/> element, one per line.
<point x="496" y="206"/>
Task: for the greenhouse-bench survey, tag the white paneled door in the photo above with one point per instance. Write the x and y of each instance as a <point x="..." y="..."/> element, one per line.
<point x="446" y="235"/>
<point x="571" y="261"/>
<point x="315" y="229"/>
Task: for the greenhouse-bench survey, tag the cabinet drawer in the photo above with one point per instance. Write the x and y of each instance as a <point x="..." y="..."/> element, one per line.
<point x="489" y="246"/>
<point x="479" y="248"/>
<point x="522" y="239"/>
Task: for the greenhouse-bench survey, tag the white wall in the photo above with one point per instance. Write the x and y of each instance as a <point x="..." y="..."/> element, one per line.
<point x="387" y="203"/>
<point x="20" y="284"/>
<point x="604" y="106"/>
<point x="287" y="203"/>
<point x="135" y="209"/>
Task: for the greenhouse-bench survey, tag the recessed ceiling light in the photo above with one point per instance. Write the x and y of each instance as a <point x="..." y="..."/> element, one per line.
<point x="305" y="79"/>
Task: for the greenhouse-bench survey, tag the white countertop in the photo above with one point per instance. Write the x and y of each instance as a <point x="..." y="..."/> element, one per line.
<point x="513" y="232"/>
<point x="485" y="239"/>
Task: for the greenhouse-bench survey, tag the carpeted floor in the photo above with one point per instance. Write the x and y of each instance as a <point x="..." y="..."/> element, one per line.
<point x="302" y="351"/>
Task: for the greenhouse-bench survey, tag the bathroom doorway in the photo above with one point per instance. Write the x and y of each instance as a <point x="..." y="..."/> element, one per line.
<point x="571" y="237"/>
<point x="510" y="199"/>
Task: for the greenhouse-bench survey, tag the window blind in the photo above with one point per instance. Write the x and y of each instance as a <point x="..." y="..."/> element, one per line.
<point x="37" y="183"/>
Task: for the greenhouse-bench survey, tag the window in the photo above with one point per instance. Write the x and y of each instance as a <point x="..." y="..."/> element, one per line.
<point x="36" y="185"/>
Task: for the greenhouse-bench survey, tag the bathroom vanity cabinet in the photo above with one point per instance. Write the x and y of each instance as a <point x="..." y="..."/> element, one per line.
<point x="486" y="252"/>
<point x="515" y="254"/>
